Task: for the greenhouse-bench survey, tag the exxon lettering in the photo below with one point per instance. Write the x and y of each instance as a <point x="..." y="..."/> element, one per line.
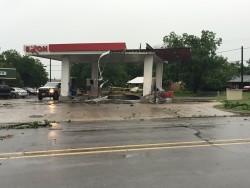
<point x="36" y="49"/>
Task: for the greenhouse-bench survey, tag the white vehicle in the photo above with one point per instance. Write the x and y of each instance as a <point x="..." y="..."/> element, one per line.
<point x="50" y="89"/>
<point x="135" y="90"/>
<point x="17" y="92"/>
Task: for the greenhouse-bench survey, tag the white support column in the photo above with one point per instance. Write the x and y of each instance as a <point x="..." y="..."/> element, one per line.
<point x="94" y="77"/>
<point x="159" y="74"/>
<point x="148" y="68"/>
<point x="65" y="77"/>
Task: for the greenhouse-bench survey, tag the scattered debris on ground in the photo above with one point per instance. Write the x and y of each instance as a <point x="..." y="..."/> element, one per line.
<point x="8" y="136"/>
<point x="36" y="116"/>
<point x="27" y="125"/>
<point x="55" y="126"/>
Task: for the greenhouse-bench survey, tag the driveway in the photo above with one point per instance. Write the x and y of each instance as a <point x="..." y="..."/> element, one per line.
<point x="28" y="110"/>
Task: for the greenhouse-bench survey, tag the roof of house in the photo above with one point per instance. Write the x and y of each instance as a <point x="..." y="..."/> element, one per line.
<point x="246" y="78"/>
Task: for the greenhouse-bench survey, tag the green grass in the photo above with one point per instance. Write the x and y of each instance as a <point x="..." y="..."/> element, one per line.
<point x="236" y="105"/>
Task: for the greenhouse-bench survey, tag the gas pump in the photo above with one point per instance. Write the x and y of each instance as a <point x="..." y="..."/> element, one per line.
<point x="72" y="86"/>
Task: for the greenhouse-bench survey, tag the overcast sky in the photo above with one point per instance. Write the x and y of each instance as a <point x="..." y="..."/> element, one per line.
<point x="131" y="21"/>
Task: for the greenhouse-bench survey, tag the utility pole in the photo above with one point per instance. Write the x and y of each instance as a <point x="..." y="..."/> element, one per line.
<point x="242" y="67"/>
<point x="50" y="70"/>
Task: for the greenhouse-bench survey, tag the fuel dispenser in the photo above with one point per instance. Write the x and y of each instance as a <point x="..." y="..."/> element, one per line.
<point x="72" y="86"/>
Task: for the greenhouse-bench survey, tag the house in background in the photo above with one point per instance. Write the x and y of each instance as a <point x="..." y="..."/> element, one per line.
<point x="7" y="74"/>
<point x="236" y="82"/>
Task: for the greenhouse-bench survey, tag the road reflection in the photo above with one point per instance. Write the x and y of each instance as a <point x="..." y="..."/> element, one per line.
<point x="51" y="107"/>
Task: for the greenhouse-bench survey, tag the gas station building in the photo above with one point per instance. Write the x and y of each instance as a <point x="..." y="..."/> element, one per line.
<point x="100" y="53"/>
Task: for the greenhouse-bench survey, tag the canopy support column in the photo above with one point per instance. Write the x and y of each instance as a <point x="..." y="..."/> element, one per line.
<point x="148" y="68"/>
<point x="65" y="77"/>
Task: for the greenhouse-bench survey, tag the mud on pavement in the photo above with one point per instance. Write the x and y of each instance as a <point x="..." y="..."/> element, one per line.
<point x="30" y="110"/>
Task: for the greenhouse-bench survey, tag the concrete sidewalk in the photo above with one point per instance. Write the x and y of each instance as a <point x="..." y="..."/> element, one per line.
<point x="28" y="110"/>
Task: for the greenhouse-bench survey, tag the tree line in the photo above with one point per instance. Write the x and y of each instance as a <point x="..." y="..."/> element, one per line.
<point x="30" y="71"/>
<point x="206" y="70"/>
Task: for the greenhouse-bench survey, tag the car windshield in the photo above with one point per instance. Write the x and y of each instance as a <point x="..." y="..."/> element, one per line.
<point x="51" y="84"/>
<point x="30" y="89"/>
<point x="17" y="89"/>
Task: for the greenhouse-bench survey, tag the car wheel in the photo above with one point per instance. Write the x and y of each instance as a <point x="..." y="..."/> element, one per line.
<point x="55" y="96"/>
<point x="40" y="97"/>
<point x="14" y="95"/>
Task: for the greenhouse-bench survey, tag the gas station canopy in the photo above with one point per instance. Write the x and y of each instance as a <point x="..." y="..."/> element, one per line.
<point x="96" y="53"/>
<point x="112" y="53"/>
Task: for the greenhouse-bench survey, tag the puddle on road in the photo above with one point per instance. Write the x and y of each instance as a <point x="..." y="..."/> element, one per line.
<point x="43" y="102"/>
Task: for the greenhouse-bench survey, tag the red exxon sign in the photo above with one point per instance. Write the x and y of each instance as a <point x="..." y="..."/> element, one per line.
<point x="37" y="49"/>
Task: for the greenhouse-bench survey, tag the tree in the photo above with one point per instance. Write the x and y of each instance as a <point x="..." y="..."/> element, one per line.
<point x="81" y="71"/>
<point x="218" y="73"/>
<point x="7" y="62"/>
<point x="30" y="71"/>
<point x="117" y="74"/>
<point x="134" y="70"/>
<point x="247" y="69"/>
<point x="205" y="70"/>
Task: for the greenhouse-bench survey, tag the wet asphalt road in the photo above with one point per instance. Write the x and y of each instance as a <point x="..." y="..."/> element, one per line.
<point x="185" y="152"/>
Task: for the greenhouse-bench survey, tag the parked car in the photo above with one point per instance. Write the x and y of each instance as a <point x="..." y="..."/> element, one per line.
<point x="135" y="90"/>
<point x="30" y="90"/>
<point x="246" y="88"/>
<point x="5" y="91"/>
<point x="17" y="92"/>
<point x="50" y="89"/>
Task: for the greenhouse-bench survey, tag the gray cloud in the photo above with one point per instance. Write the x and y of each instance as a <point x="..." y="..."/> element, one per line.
<point x="130" y="21"/>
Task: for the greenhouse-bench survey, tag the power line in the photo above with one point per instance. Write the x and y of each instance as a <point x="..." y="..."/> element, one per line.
<point x="237" y="61"/>
<point x="229" y="50"/>
<point x="246" y="48"/>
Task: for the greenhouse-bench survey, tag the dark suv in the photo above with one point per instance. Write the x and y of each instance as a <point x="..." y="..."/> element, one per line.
<point x="5" y="91"/>
<point x="50" y="89"/>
